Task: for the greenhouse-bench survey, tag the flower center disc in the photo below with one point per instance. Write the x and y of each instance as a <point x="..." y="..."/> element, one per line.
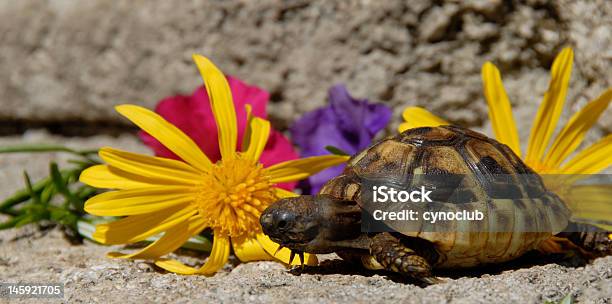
<point x="234" y="194"/>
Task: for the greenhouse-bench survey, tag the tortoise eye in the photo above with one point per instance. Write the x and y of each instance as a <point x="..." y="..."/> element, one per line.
<point x="281" y="224"/>
<point x="284" y="220"/>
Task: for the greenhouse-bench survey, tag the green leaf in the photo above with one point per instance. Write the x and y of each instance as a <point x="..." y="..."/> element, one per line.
<point x="336" y="151"/>
<point x="11" y="212"/>
<point x="63" y="217"/>
<point x="568" y="299"/>
<point x="35" y="202"/>
<point x="33" y="194"/>
<point x="47" y="194"/>
<point x="85" y="192"/>
<point x="62" y="187"/>
<point x="12" y="222"/>
<point x="56" y="214"/>
<point x="24" y="195"/>
<point x="27" y="219"/>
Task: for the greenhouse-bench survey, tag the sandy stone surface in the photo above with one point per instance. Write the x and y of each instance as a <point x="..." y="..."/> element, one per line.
<point x="67" y="60"/>
<point x="29" y="255"/>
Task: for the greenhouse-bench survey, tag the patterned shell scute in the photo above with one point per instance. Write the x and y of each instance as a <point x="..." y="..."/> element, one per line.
<point x="462" y="165"/>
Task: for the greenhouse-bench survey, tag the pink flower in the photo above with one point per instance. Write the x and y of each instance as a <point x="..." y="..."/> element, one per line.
<point x="193" y="115"/>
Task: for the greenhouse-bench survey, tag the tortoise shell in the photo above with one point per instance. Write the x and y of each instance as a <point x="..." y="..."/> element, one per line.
<point x="518" y="206"/>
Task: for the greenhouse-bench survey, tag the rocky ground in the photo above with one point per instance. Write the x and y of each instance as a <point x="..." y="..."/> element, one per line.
<point x="31" y="254"/>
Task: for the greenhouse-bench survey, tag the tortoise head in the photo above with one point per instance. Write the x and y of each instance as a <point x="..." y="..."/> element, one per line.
<point x="313" y="224"/>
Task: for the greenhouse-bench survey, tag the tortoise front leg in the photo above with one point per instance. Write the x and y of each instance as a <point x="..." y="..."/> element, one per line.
<point x="394" y="256"/>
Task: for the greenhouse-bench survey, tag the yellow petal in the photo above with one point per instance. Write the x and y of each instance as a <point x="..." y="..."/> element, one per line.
<point x="248" y="249"/>
<point x="135" y="228"/>
<point x="222" y="105"/>
<point x="550" y="109"/>
<point x="138" y="201"/>
<point x="173" y="239"/>
<point x="591" y="160"/>
<point x="282" y="193"/>
<point x="246" y="138"/>
<point x="416" y="117"/>
<point x="167" y="134"/>
<point x="500" y="111"/>
<point x="103" y="176"/>
<point x="404" y="126"/>
<point x="260" y="130"/>
<point x="294" y="170"/>
<point x="175" y="266"/>
<point x="284" y="254"/>
<point x="217" y="259"/>
<point x="573" y="133"/>
<point x="154" y="170"/>
<point x="590" y="203"/>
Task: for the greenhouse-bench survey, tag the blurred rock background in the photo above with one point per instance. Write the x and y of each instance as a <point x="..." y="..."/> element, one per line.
<point x="65" y="63"/>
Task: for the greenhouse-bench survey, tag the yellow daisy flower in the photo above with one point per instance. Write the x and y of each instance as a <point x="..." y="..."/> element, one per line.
<point x="586" y="201"/>
<point x="181" y="199"/>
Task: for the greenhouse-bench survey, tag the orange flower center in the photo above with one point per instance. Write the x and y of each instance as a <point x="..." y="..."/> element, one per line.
<point x="233" y="195"/>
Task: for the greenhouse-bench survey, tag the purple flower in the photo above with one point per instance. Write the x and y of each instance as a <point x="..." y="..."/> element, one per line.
<point x="346" y="123"/>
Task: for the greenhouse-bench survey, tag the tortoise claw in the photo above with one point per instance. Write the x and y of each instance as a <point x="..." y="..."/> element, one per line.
<point x="291" y="257"/>
<point x="301" y="256"/>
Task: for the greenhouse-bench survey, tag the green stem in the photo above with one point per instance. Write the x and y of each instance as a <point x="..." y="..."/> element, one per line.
<point x="12" y="222"/>
<point x="45" y="148"/>
<point x="11" y="212"/>
<point x="23" y="194"/>
<point x="41" y="148"/>
<point x="336" y="151"/>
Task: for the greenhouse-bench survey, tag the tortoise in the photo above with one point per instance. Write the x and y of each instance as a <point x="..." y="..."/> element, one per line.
<point x="332" y="220"/>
